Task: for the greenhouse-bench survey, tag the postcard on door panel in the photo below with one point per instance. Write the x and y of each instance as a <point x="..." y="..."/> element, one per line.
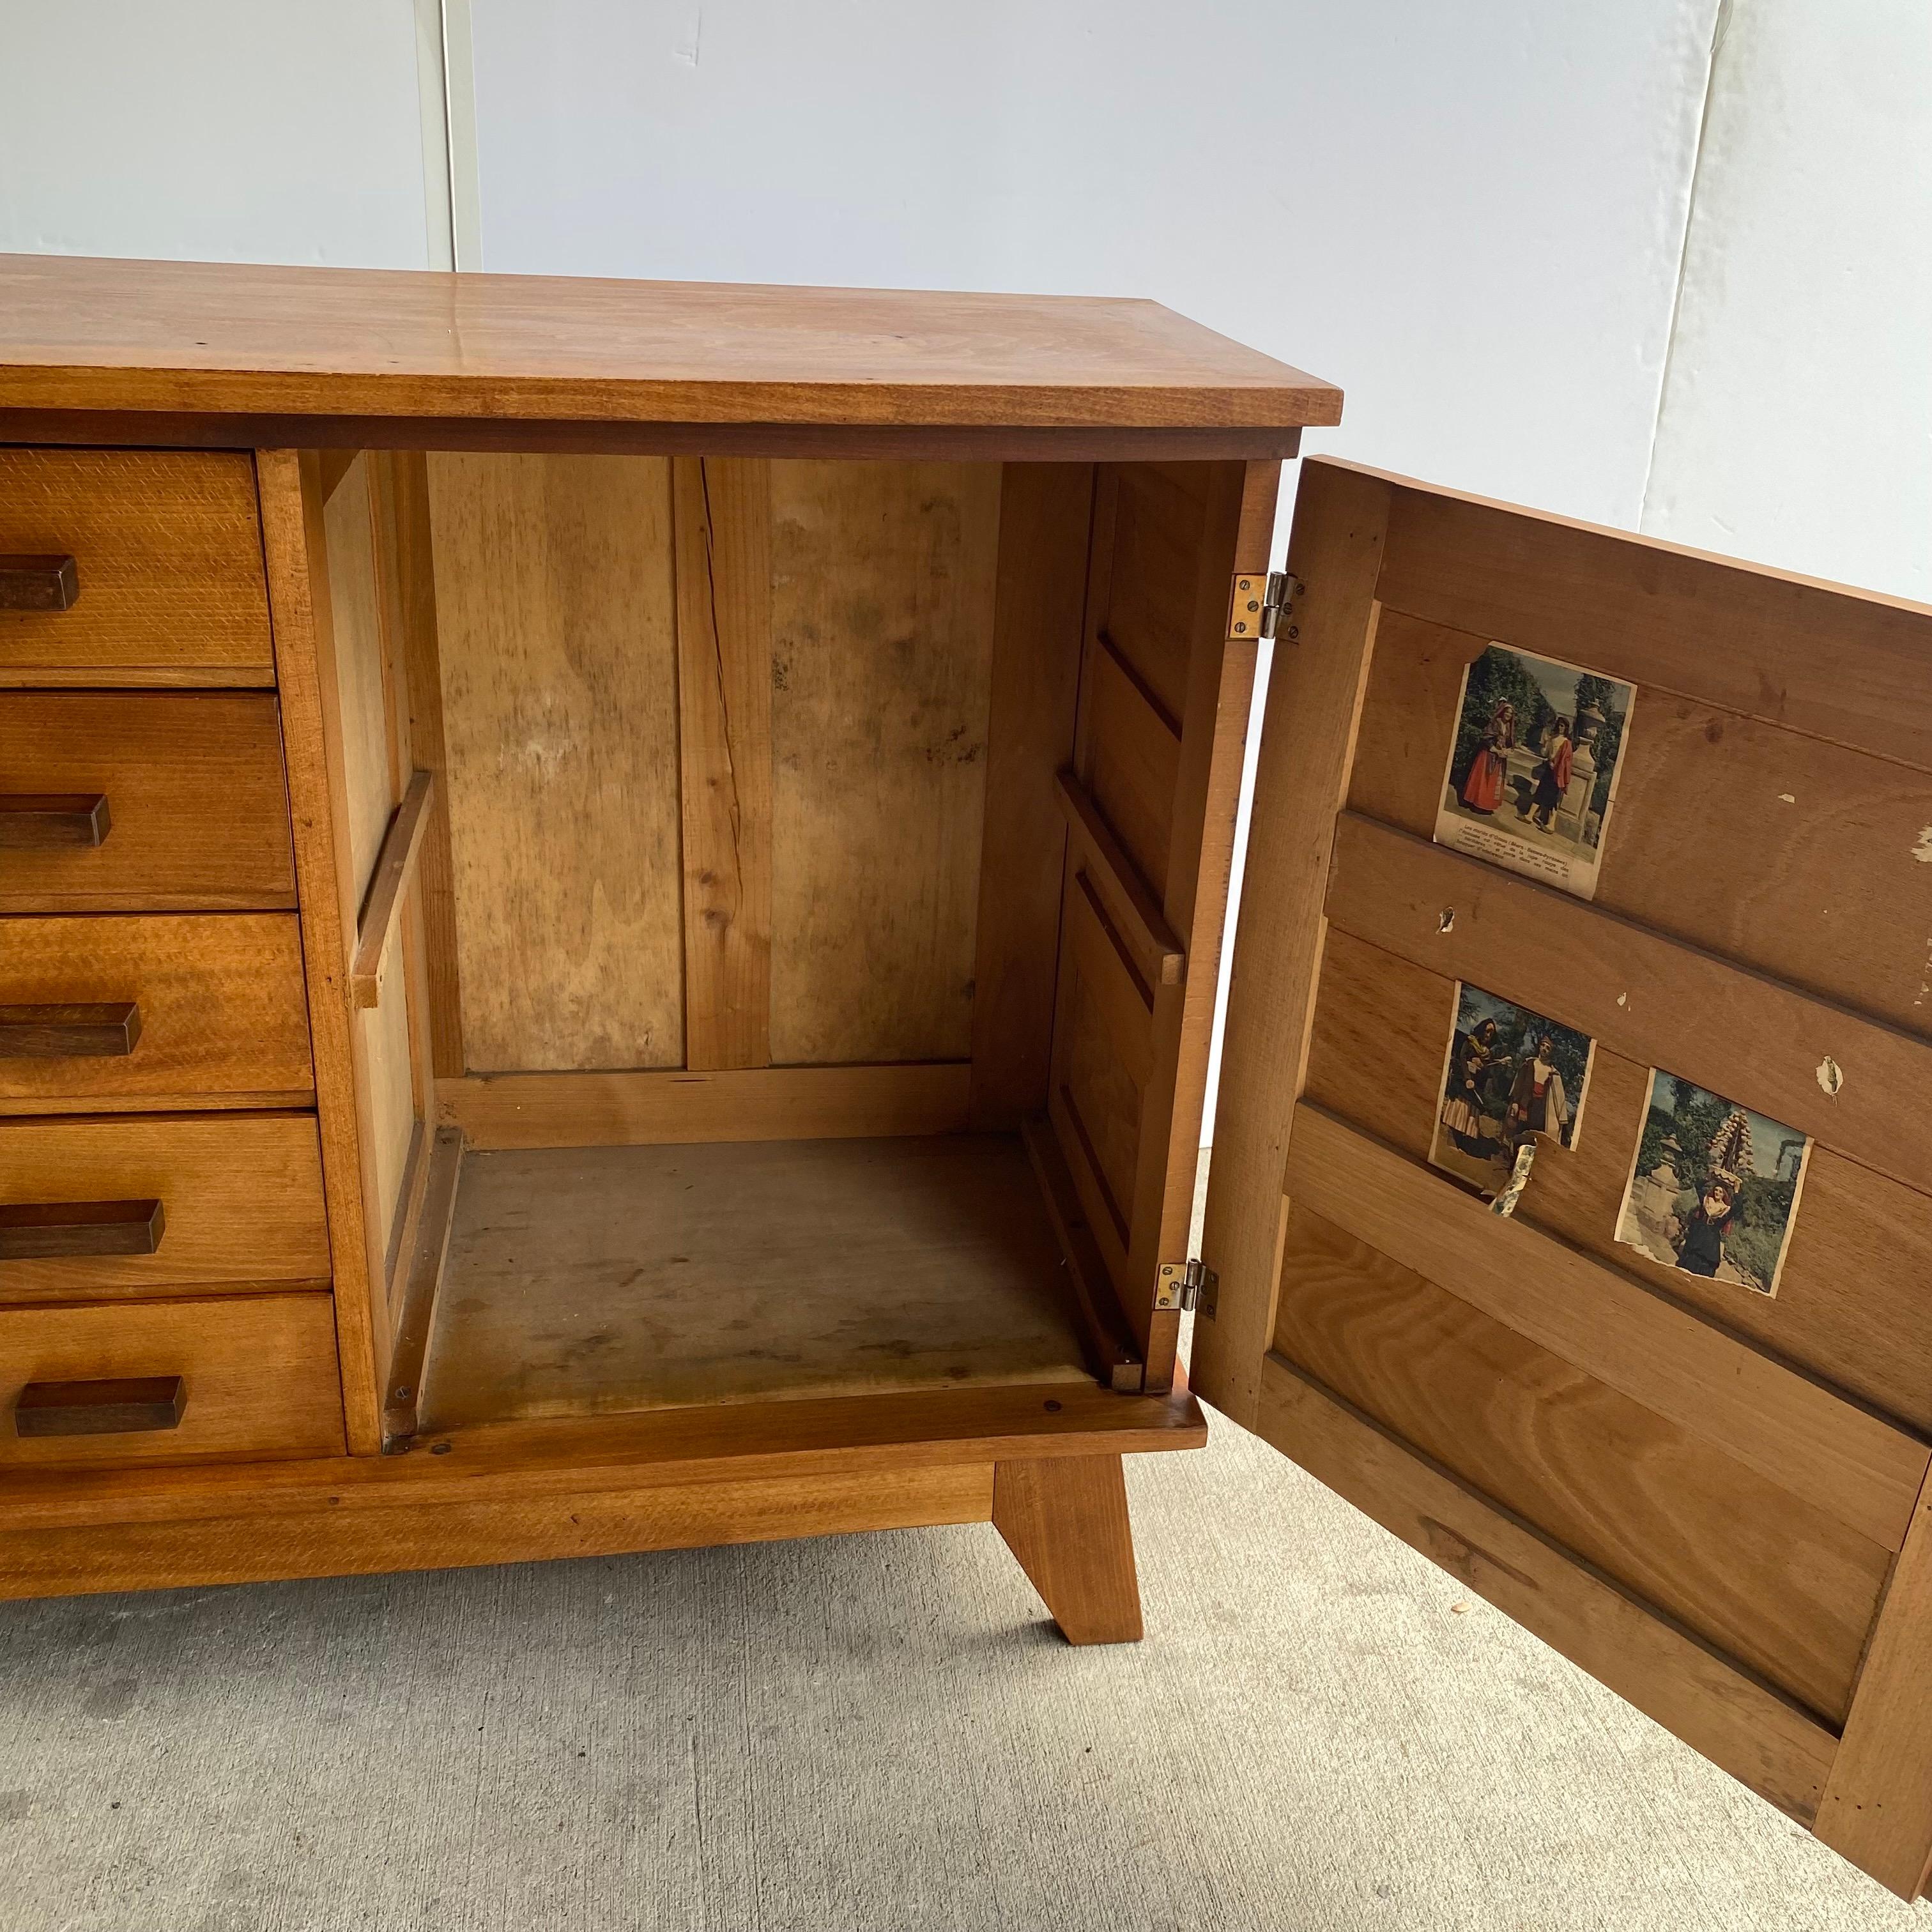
<point x="1533" y="767"/>
<point x="1510" y="1075"/>
<point x="1714" y="1189"/>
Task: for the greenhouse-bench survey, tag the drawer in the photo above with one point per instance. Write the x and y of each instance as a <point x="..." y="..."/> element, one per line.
<point x="159" y="1204"/>
<point x="121" y="1014"/>
<point x="168" y="581"/>
<point x="141" y="803"/>
<point x="256" y="1377"/>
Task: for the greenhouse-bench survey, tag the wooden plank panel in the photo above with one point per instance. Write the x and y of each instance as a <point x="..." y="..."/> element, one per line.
<point x="555" y="608"/>
<point x="1238" y="530"/>
<point x="722" y="514"/>
<point x="361" y="668"/>
<point x="259" y="1374"/>
<point x="294" y="545"/>
<point x="1129" y="763"/>
<point x="220" y="1001"/>
<point x="1314" y="698"/>
<point x="449" y="1534"/>
<point x="1818" y="882"/>
<point x="883" y="578"/>
<point x="240" y="1196"/>
<point x="1115" y="1355"/>
<point x="1731" y="1716"/>
<point x="1769" y="1579"/>
<point x="1877" y="1808"/>
<point x="404" y="524"/>
<point x="1096" y="1104"/>
<point x="1849" y="1305"/>
<point x="1122" y="1003"/>
<point x="392" y="1117"/>
<point x="198" y="811"/>
<point x="1046" y="518"/>
<point x="1651" y="998"/>
<point x="1136" y="914"/>
<point x="1863" y="1472"/>
<point x="738" y="1104"/>
<point x="1845" y="665"/>
<point x="1159" y="525"/>
<point x="169" y="555"/>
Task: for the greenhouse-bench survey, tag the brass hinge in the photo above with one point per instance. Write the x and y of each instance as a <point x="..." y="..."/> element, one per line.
<point x="1264" y="606"/>
<point x="1188" y="1284"/>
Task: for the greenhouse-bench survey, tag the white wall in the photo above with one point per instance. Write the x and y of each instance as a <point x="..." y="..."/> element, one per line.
<point x="1797" y="421"/>
<point x="1471" y="217"/>
<point x="250" y="130"/>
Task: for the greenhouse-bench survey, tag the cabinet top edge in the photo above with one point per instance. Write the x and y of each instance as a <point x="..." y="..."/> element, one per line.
<point x="79" y="333"/>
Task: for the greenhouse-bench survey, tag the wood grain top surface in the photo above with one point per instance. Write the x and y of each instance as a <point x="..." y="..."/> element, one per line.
<point x="79" y="333"/>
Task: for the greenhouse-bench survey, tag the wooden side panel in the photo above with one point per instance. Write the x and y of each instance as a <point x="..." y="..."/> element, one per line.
<point x="1773" y="1581"/>
<point x="555" y="606"/>
<point x="883" y="589"/>
<point x="1164" y="703"/>
<point x="366" y="700"/>
<point x="1046" y="512"/>
<point x="168" y="552"/>
<point x="723" y="516"/>
<point x="362" y="697"/>
<point x="295" y="549"/>
<point x="406" y="536"/>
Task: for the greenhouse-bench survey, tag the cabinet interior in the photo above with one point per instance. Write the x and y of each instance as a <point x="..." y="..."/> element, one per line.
<point x="799" y="937"/>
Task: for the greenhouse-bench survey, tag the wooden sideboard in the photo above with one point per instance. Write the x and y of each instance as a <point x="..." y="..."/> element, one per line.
<point x="610" y="902"/>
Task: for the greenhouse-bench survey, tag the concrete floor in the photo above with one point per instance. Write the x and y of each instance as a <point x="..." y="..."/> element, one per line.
<point x="1321" y="1730"/>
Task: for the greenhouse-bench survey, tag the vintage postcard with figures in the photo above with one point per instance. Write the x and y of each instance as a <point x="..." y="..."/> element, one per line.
<point x="1714" y="1189"/>
<point x="1534" y="768"/>
<point x="1509" y="1075"/>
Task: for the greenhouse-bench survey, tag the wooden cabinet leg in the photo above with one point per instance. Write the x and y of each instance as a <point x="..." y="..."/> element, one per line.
<point x="1065" y="1517"/>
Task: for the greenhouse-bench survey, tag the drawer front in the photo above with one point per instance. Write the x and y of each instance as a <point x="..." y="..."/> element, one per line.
<point x="250" y="1376"/>
<point x="167" y="583"/>
<point x="122" y="1014"/>
<point x="159" y="1204"/>
<point x="141" y="804"/>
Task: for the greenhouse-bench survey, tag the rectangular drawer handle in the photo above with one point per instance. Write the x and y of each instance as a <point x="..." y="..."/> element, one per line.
<point x="38" y="583"/>
<point x="123" y="1407"/>
<point x="105" y="1031"/>
<point x="37" y="821"/>
<point x="45" y="1231"/>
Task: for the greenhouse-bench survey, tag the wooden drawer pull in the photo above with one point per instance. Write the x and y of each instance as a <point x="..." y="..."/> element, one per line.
<point x="38" y="583"/>
<point x="36" y="1231"/>
<point x="100" y="1408"/>
<point x="37" y="820"/>
<point x="107" y="1031"/>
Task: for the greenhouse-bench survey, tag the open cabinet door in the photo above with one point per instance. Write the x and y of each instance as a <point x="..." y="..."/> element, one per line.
<point x="1671" y="1414"/>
